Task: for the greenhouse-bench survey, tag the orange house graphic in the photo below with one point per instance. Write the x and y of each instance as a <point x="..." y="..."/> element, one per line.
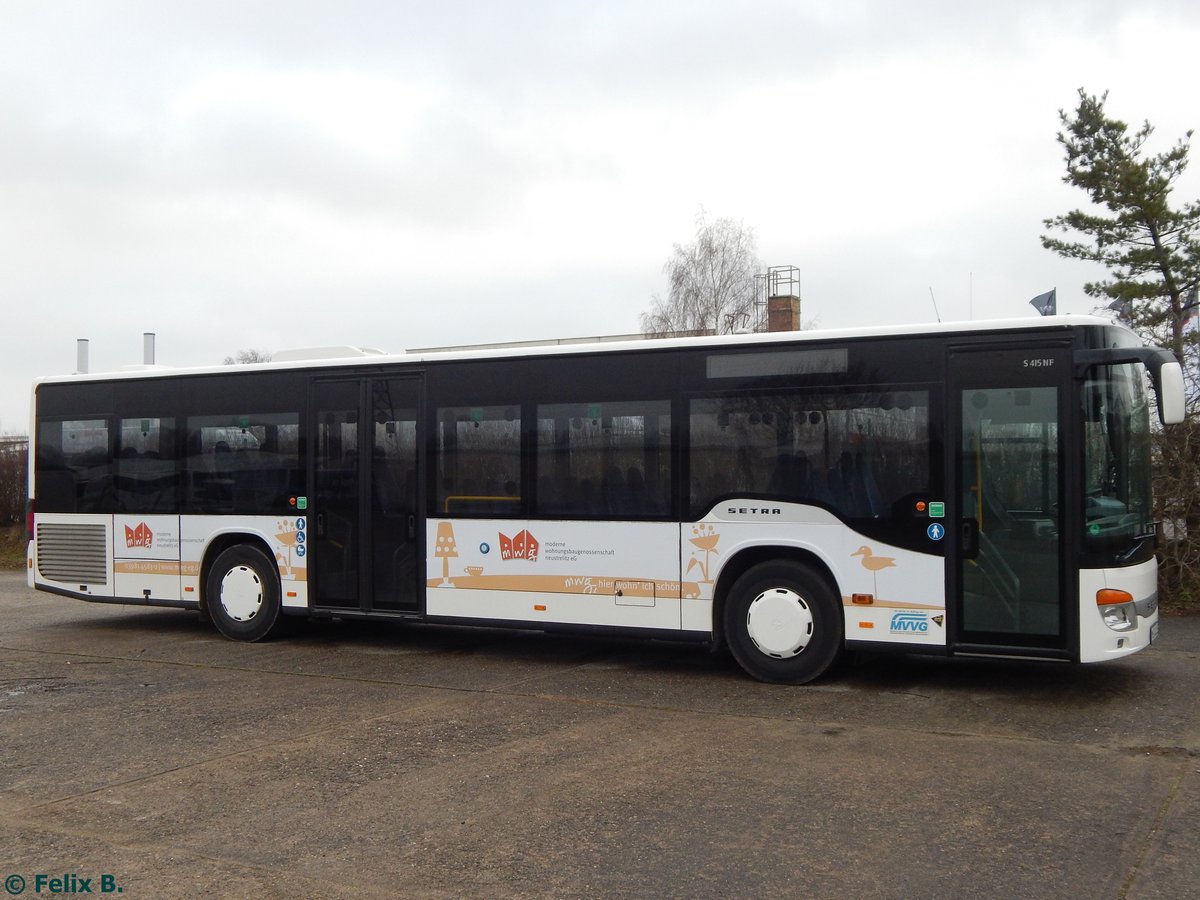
<point x="141" y="536"/>
<point x="521" y="546"/>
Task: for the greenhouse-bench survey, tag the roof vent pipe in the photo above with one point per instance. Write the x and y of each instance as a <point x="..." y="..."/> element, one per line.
<point x="81" y="356"/>
<point x="148" y="348"/>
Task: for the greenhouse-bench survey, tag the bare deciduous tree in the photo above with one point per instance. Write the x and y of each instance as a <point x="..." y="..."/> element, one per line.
<point x="248" y="356"/>
<point x="1177" y="506"/>
<point x="711" y="282"/>
<point x="14" y="483"/>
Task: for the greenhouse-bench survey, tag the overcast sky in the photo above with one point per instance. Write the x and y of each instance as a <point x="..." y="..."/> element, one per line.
<point x="284" y="174"/>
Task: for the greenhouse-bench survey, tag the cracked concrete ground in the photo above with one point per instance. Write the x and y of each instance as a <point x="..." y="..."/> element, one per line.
<point x="365" y="760"/>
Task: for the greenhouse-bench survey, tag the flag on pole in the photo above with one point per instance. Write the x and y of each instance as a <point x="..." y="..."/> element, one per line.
<point x="1046" y="304"/>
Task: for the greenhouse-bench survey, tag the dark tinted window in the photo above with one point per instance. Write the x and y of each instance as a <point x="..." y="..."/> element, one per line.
<point x="146" y="479"/>
<point x="243" y="463"/>
<point x="604" y="460"/>
<point x="861" y="454"/>
<point x="478" y="461"/>
<point x="73" y="468"/>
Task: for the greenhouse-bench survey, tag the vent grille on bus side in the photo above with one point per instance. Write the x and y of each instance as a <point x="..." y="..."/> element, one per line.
<point x="74" y="553"/>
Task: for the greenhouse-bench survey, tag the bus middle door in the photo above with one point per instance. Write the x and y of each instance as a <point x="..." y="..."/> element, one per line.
<point x="366" y="533"/>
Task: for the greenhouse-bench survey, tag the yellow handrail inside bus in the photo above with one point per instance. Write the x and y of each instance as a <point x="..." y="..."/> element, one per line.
<point x="491" y="498"/>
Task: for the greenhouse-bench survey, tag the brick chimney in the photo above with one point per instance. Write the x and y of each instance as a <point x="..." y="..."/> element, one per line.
<point x="783" y="313"/>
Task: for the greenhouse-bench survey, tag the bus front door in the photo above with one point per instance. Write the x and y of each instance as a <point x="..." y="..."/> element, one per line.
<point x="364" y="515"/>
<point x="1005" y="553"/>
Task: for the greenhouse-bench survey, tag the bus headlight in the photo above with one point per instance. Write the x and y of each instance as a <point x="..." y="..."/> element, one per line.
<point x="1117" y="609"/>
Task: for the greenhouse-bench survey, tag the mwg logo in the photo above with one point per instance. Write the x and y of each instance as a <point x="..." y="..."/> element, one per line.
<point x="141" y="536"/>
<point x="520" y="546"/>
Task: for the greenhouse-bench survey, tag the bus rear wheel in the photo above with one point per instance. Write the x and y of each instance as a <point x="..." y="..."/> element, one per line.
<point x="783" y="623"/>
<point x="242" y="594"/>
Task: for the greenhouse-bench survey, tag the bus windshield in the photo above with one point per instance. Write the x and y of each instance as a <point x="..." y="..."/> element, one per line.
<point x="1118" y="517"/>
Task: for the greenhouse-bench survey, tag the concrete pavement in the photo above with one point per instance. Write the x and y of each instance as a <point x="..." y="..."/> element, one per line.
<point x="364" y="760"/>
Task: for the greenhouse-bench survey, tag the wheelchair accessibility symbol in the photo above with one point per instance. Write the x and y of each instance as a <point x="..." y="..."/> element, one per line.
<point x="936" y="531"/>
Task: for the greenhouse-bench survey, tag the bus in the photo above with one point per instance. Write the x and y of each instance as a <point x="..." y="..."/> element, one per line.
<point x="972" y="489"/>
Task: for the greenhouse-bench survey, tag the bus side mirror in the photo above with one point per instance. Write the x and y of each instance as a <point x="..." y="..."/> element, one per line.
<point x="1170" y="393"/>
<point x="1165" y="372"/>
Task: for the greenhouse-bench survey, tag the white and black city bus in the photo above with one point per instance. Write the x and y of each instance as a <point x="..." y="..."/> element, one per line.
<point x="977" y="488"/>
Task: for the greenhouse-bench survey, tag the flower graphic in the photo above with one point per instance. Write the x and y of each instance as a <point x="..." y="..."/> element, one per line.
<point x="705" y="539"/>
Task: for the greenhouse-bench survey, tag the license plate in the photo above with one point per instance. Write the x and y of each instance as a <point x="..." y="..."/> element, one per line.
<point x="1154" y="632"/>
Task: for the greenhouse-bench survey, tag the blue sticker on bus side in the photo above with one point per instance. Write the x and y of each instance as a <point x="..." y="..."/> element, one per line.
<point x="909" y="623"/>
<point x="936" y="531"/>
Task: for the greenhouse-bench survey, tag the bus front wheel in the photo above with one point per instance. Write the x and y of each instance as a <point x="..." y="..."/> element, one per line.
<point x="242" y="594"/>
<point x="783" y="623"/>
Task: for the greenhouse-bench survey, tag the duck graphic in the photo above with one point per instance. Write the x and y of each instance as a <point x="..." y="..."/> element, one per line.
<point x="874" y="564"/>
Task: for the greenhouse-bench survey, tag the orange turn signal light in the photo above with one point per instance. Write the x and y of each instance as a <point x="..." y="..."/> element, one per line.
<point x="1112" y="597"/>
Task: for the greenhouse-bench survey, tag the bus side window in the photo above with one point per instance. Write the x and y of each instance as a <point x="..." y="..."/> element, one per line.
<point x="145" y="466"/>
<point x="854" y="452"/>
<point x="246" y="463"/>
<point x="604" y="459"/>
<point x="73" y="466"/>
<point x="478" y="461"/>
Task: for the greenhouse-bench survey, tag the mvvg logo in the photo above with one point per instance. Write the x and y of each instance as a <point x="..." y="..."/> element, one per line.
<point x="910" y="623"/>
<point x="141" y="536"/>
<point x="521" y="546"/>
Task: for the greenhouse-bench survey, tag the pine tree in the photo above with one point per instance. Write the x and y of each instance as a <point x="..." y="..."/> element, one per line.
<point x="1152" y="250"/>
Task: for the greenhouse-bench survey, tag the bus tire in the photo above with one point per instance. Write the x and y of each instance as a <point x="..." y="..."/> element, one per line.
<point x="783" y="623"/>
<point x="242" y="594"/>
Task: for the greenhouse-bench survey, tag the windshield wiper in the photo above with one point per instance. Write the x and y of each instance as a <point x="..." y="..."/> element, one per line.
<point x="1132" y="551"/>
